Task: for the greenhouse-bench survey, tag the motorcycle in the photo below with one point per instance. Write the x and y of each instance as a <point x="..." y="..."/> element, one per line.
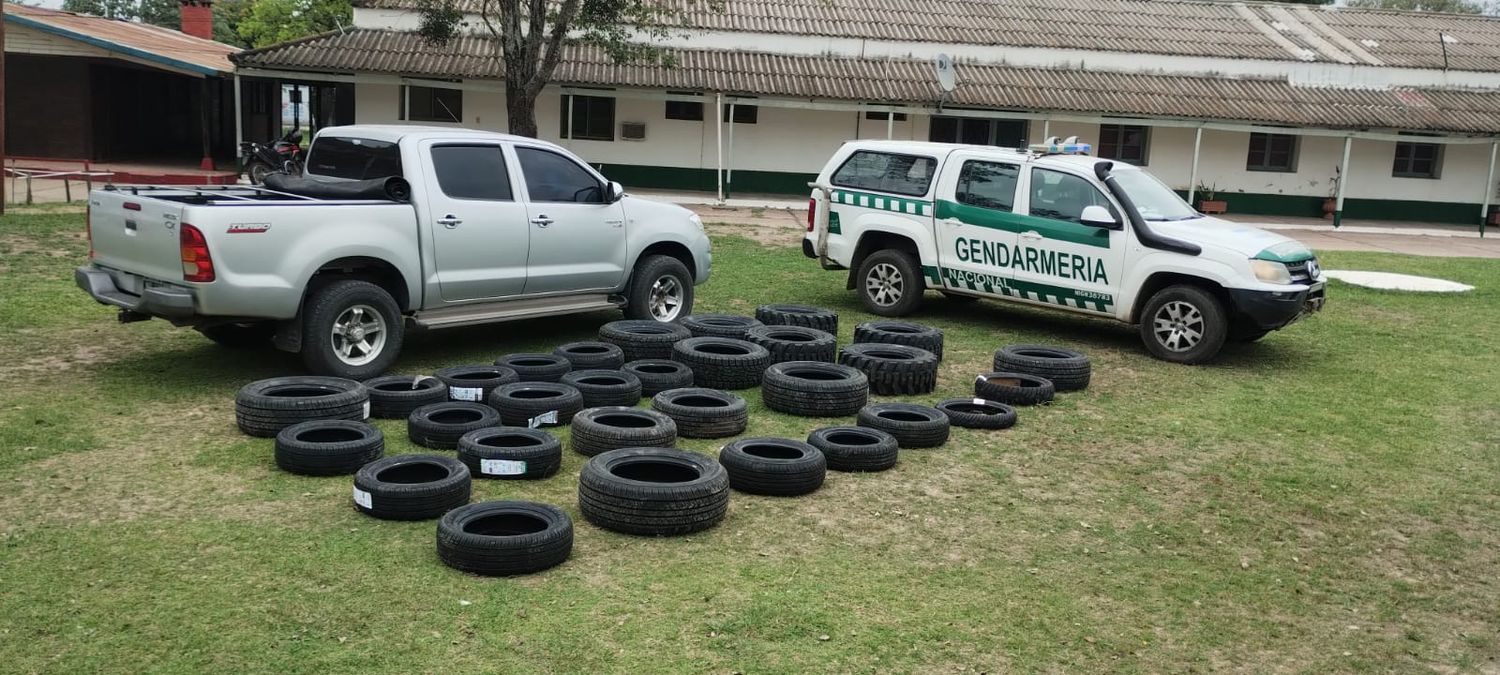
<point x="259" y="160"/>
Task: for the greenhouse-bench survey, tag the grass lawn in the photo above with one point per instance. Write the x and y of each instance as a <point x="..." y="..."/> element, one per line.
<point x="1323" y="501"/>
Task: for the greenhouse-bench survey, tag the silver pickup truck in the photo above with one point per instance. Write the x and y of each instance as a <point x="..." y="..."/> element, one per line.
<point x="496" y="228"/>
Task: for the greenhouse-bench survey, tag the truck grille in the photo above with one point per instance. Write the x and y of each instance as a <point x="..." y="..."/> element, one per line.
<point x="1302" y="272"/>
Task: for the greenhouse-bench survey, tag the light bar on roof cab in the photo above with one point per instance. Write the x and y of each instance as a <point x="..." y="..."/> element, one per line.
<point x="1052" y="146"/>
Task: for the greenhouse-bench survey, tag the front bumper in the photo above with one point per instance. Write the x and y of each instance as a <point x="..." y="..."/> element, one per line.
<point x="153" y="298"/>
<point x="1271" y="310"/>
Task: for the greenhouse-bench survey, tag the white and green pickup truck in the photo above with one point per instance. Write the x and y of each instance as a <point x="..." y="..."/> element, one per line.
<point x="1053" y="227"/>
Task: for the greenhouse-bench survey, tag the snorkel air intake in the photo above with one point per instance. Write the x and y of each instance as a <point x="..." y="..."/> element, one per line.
<point x="1147" y="236"/>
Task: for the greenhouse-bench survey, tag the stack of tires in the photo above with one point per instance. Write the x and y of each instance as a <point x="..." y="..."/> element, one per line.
<point x="265" y="407"/>
<point x="653" y="491"/>
<point x="814" y="389"/>
<point x="900" y="358"/>
<point x="599" y="430"/>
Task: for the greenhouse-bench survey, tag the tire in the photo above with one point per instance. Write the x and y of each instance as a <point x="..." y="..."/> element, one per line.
<point x="722" y="363"/>
<point x="825" y="320"/>
<point x="900" y="333"/>
<point x="328" y="447"/>
<point x="641" y="295"/>
<point x="241" y="335"/>
<point x="894" y="370"/>
<point x="1014" y="388"/>
<point x="778" y="467"/>
<point x="1198" y="310"/>
<point x="474" y="383"/>
<point x="659" y="375"/>
<point x="605" y="387"/>
<point x="536" y="367"/>
<point x="643" y="339"/>
<point x="720" y="325"/>
<point x="855" y="449"/>
<point x="1068" y="370"/>
<point x="411" y="487"/>
<point x="395" y="396"/>
<point x="440" y="425"/>
<point x="599" y="430"/>
<point x="504" y="539"/>
<point x="506" y="453"/>
<point x="265" y="407"/>
<point x="814" y="389"/>
<point x="592" y="355"/>
<point x="703" y="413"/>
<point x="527" y="404"/>
<point x="257" y="171"/>
<point x="794" y="343"/>
<point x="350" y="303"/>
<point x="913" y="426"/>
<point x="898" y="274"/>
<point x="653" y="491"/>
<point x="978" y="413"/>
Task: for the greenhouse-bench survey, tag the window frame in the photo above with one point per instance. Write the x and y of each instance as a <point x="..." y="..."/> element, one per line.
<point x="1015" y="190"/>
<point x="878" y="116"/>
<point x="740" y="110"/>
<point x="1410" y="159"/>
<point x="588" y="109"/>
<point x="601" y="182"/>
<point x="931" y="179"/>
<point x="684" y="107"/>
<point x="1031" y="186"/>
<point x="406" y="110"/>
<point x="510" y="183"/>
<point x="1266" y="150"/>
<point x="1119" y="142"/>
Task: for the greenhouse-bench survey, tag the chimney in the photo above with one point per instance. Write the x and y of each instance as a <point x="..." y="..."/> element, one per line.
<point x="198" y="18"/>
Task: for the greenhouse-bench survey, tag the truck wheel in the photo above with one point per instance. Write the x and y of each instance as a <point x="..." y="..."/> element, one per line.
<point x="1184" y="324"/>
<point x="890" y="283"/>
<point x="350" y="329"/>
<point x="241" y="335"/>
<point x="661" y="289"/>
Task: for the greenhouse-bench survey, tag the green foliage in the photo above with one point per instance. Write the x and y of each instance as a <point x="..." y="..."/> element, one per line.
<point x="267" y="22"/>
<point x="157" y="12"/>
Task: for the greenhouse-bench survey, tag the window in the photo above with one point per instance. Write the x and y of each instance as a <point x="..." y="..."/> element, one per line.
<point x="593" y="118"/>
<point x="991" y="185"/>
<point x="885" y="172"/>
<point x="978" y="131"/>
<point x="1124" y="143"/>
<point x="1417" y="160"/>
<point x="881" y="117"/>
<point x="550" y="177"/>
<point x="1272" y="152"/>
<point x="691" y="111"/>
<point x="472" y="172"/>
<point x="742" y="114"/>
<point x="1062" y="196"/>
<point x="353" y="158"/>
<point x="431" y="104"/>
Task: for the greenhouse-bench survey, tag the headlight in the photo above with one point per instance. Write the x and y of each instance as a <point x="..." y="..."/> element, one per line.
<point x="1271" y="272"/>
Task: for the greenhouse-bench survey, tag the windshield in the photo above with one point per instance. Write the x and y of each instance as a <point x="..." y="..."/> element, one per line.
<point x="1153" y="199"/>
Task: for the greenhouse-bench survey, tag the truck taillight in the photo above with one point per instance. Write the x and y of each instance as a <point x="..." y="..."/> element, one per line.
<point x="197" y="265"/>
<point x="812" y="213"/>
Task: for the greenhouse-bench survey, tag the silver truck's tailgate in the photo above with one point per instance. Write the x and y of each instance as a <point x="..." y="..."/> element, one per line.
<point x="138" y="235"/>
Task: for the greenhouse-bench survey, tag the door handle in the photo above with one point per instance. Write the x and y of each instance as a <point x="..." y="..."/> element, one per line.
<point x="953" y="222"/>
<point x="542" y="221"/>
<point x="1030" y="234"/>
<point x="449" y="221"/>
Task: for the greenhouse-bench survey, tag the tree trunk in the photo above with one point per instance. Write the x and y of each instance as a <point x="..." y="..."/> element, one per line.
<point x="520" y="107"/>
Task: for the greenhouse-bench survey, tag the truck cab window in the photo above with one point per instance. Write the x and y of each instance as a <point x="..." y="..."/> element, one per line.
<point x="1060" y="196"/>
<point x="472" y="172"/>
<point x="885" y="172"/>
<point x="353" y="158"/>
<point x="991" y="185"/>
<point x="550" y="177"/>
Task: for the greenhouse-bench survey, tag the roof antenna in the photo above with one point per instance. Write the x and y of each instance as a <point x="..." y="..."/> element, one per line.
<point x="946" y="76"/>
<point x="1443" y="40"/>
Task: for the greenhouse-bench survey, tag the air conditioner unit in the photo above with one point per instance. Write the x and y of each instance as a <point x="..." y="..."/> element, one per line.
<point x="633" y="131"/>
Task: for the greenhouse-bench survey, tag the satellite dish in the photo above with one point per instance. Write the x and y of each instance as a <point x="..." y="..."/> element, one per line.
<point x="946" y="77"/>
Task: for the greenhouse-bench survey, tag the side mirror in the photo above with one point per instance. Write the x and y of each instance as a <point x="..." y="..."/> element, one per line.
<point x="615" y="192"/>
<point x="1098" y="216"/>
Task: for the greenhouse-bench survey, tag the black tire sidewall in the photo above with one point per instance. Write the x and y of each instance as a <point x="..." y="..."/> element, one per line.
<point x="911" y="274"/>
<point x="647" y="271"/>
<point x="323" y="307"/>
<point x="1215" y="324"/>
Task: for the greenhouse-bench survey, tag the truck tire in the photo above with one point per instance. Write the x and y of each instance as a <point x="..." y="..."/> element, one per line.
<point x="661" y="289"/>
<point x="1068" y="370"/>
<point x="440" y="425"/>
<point x="855" y="448"/>
<point x="890" y="283"/>
<point x="900" y="333"/>
<point x="807" y="316"/>
<point x="643" y="339"/>
<point x="605" y="387"/>
<point x="794" y="343"/>
<point x="814" y="389"/>
<point x="598" y="430"/>
<point x="978" y="413"/>
<point x="913" y="426"/>
<point x="521" y="403"/>
<point x="395" y="396"/>
<point x="592" y="355"/>
<point x="653" y="491"/>
<point x="504" y="538"/>
<point x="507" y="453"/>
<point x="328" y="447"/>
<point x="411" y="487"/>
<point x="536" y="367"/>
<point x="659" y="375"/>
<point x="894" y="370"/>
<point x="722" y="363"/>
<point x="474" y="383"/>
<point x="1184" y="324"/>
<point x="351" y="329"/>
<point x="265" y="407"/>
<point x="241" y="335"/>
<point x="778" y="467"/>
<point x="703" y="413"/>
<point x="1014" y="388"/>
<point x="720" y="325"/>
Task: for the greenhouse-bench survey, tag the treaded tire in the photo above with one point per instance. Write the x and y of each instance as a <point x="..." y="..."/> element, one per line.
<point x="855" y="449"/>
<point x="807" y="316"/>
<point x="599" y="430"/>
<point x="774" y="466"/>
<point x="328" y="447"/>
<point x="894" y="370"/>
<point x="659" y="375"/>
<point x="605" y="387"/>
<point x="592" y="355"/>
<point x="265" y="407"/>
<point x="978" y="413"/>
<point x="901" y="333"/>
<point x="504" y="538"/>
<point x="794" y="343"/>
<point x="722" y="363"/>
<point x="536" y="366"/>
<point x="703" y="413"/>
<point x="411" y="487"/>
<point x="719" y="325"/>
<point x="1068" y="370"/>
<point x="474" y="383"/>
<point x="440" y="425"/>
<point x="508" y="453"/>
<point x="913" y="426"/>
<point x="1014" y="388"/>
<point x="643" y="339"/>
<point x="522" y="402"/>
<point x="814" y="389"/>
<point x="322" y="309"/>
<point x="653" y="491"/>
<point x="395" y="396"/>
<point x="639" y="294"/>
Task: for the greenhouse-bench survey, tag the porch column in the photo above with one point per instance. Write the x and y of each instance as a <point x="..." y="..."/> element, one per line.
<point x="207" y="163"/>
<point x="1338" y="202"/>
<point x="1489" y="190"/>
<point x="719" y="135"/>
<point x="729" y="168"/>
<point x="1047" y="129"/>
<point x="890" y="125"/>
<point x="1193" y="177"/>
<point x="239" y="117"/>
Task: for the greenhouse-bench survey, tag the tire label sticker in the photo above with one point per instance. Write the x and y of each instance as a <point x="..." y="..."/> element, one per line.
<point x="367" y="410"/>
<point x="465" y="393"/>
<point x="502" y="467"/>
<point x="549" y="417"/>
<point x="979" y="401"/>
<point x="363" y="498"/>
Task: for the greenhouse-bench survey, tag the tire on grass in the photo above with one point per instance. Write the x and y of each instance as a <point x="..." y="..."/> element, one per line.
<point x="659" y="375"/>
<point x="722" y="363"/>
<point x="913" y="426"/>
<point x="653" y="491"/>
<point x="894" y="370"/>
<point x="536" y="366"/>
<point x="599" y="430"/>
<point x="265" y="407"/>
<point x="814" y="389"/>
<point x="504" y="538"/>
<point x="1014" y="388"/>
<point x="825" y="320"/>
<point x="521" y="403"/>
<point x="474" y="383"/>
<point x="855" y="449"/>
<point x="900" y="333"/>
<point x="794" y="343"/>
<point x="978" y="413"/>
<point x="395" y="396"/>
<point x="605" y="387"/>
<point x="719" y="325"/>
<point x="703" y="413"/>
<point x="411" y="487"/>
<point x="773" y="466"/>
<point x="643" y="338"/>
<point x="592" y="355"/>
<point x="507" y="453"/>
<point x="328" y="447"/>
<point x="440" y="425"/>
<point x="1068" y="370"/>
